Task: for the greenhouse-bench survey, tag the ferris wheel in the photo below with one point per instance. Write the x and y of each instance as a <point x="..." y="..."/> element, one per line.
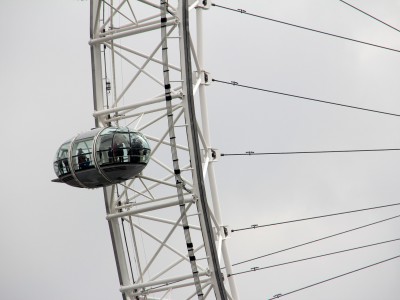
<point x="151" y="150"/>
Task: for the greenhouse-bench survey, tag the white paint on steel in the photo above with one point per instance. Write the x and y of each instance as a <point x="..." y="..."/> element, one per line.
<point x="147" y="203"/>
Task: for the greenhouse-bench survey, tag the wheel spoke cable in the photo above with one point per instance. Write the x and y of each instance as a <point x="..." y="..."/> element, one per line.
<point x="365" y="13"/>
<point x="235" y="83"/>
<point x="256" y="226"/>
<point x="253" y="269"/>
<point x="332" y="278"/>
<point x="247" y="153"/>
<point x="316" y="240"/>
<point x="242" y="11"/>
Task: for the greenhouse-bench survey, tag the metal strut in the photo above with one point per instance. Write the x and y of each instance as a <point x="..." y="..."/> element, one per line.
<point x="193" y="130"/>
<point x="177" y="171"/>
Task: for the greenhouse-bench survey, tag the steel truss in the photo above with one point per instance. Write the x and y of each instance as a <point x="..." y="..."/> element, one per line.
<point x="148" y="74"/>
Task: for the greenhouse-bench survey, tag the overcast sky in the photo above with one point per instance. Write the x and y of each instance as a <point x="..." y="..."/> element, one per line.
<point x="55" y="241"/>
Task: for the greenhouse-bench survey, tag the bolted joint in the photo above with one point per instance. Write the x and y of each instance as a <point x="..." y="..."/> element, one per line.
<point x="223" y="232"/>
<point x="227" y="231"/>
<point x="215" y="154"/>
<point x="204" y="4"/>
<point x="195" y="198"/>
<point x="204" y="76"/>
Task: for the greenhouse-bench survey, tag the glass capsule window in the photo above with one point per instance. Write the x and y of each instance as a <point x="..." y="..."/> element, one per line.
<point x="104" y="146"/>
<point x="61" y="164"/>
<point x="121" y="146"/>
<point x="140" y="149"/>
<point x="82" y="157"/>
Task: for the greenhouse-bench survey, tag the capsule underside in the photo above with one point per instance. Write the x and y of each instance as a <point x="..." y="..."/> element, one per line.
<point x="101" y="157"/>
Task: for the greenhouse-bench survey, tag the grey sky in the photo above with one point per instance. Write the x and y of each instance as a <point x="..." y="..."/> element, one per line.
<point x="54" y="239"/>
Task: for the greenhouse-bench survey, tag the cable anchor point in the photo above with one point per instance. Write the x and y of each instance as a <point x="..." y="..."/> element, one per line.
<point x="204" y="4"/>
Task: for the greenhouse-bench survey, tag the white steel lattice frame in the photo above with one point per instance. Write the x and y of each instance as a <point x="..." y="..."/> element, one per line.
<point x="149" y="43"/>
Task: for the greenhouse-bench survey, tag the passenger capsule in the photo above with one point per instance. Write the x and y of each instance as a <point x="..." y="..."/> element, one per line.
<point x="101" y="157"/>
